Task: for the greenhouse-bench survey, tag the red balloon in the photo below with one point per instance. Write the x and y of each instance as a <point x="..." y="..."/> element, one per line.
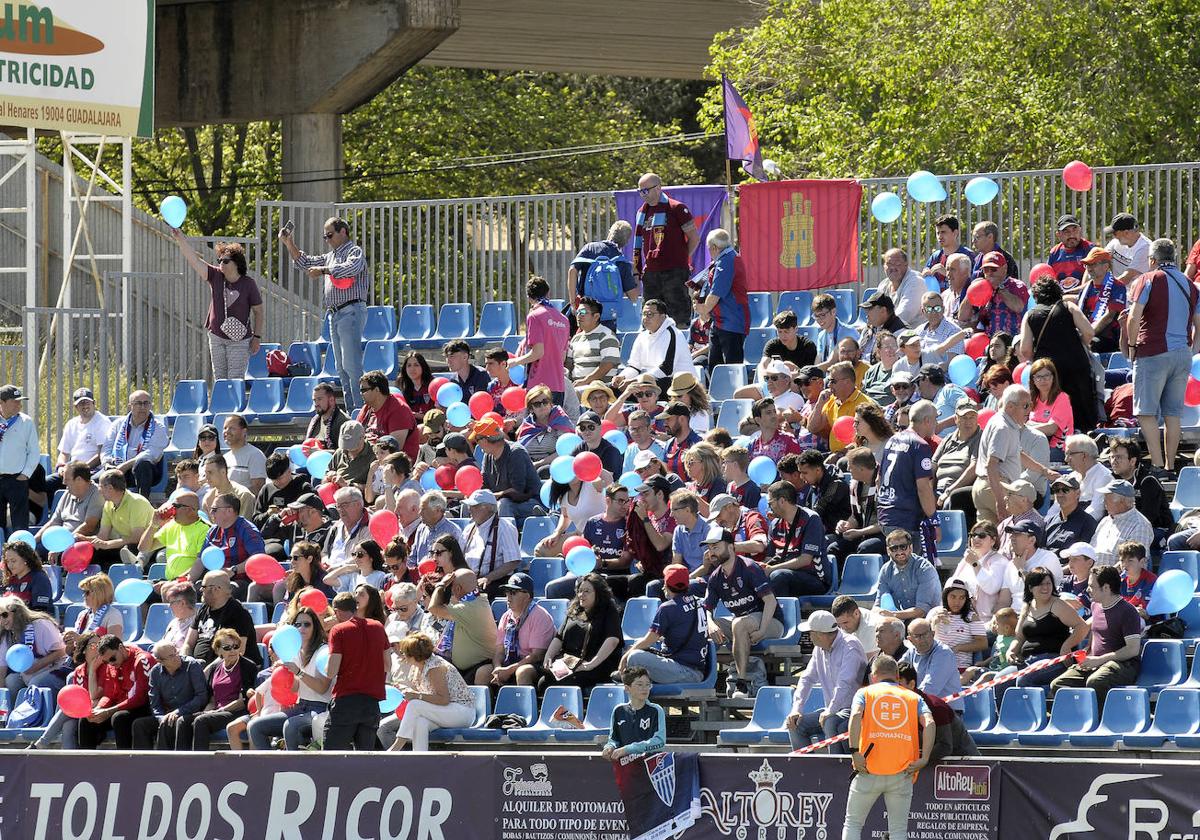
<point x="1078" y="176"/>
<point x="264" y="569"/>
<point x="445" y="476"/>
<point x="588" y="466"/>
<point x="1191" y="395"/>
<point x="77" y="557"/>
<point x="513" y="398"/>
<point x="435" y="385"/>
<point x="75" y="701"/>
<point x="1041" y="270"/>
<point x="574" y="542"/>
<point x="426" y="567"/>
<point x="985" y="414"/>
<point x="315" y="600"/>
<point x="252" y="704"/>
<point x="282" y="682"/>
<point x="1019" y="373"/>
<point x="843" y="429"/>
<point x="976" y="345"/>
<point x="480" y="404"/>
<point x="468" y="479"/>
<point x="607" y="426"/>
<point x="342" y="282"/>
<point x="979" y="292"/>
<point x="326" y="491"/>
<point x="384" y="525"/>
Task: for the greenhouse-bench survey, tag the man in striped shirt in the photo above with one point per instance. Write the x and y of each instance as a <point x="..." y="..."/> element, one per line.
<point x="345" y="285"/>
<point x="594" y="351"/>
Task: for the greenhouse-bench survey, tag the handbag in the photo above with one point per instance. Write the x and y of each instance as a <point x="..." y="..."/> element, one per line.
<point x="233" y="329"/>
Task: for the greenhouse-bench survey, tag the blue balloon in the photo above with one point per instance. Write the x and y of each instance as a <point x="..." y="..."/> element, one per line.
<point x="631" y="480"/>
<point x="762" y="470"/>
<point x="1196" y="366"/>
<point x="568" y="443"/>
<point x="963" y="370"/>
<point x="886" y="207"/>
<point x="581" y="560"/>
<point x="212" y="558"/>
<point x="19" y="658"/>
<point x="173" y="210"/>
<point x="617" y="438"/>
<point x="981" y="190"/>
<point x="318" y="463"/>
<point x="449" y="394"/>
<point x="887" y="602"/>
<point x="57" y="538"/>
<point x="562" y="469"/>
<point x="23" y="536"/>
<point x="1025" y="375"/>
<point x="133" y="591"/>
<point x="396" y="391"/>
<point x="1171" y="593"/>
<point x="925" y="187"/>
<point x="297" y="457"/>
<point x="286" y="643"/>
<point x="321" y="662"/>
<point x="764" y="506"/>
<point x="743" y="441"/>
<point x="393" y="697"/>
<point x="517" y="374"/>
<point x="933" y="284"/>
<point x="458" y="414"/>
<point x="429" y="480"/>
<point x="544" y="494"/>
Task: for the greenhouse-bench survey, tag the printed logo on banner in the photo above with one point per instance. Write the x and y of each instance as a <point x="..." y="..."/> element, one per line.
<point x="514" y="785"/>
<point x="768" y="807"/>
<point x="661" y="768"/>
<point x="959" y="782"/>
<point x="1082" y="823"/>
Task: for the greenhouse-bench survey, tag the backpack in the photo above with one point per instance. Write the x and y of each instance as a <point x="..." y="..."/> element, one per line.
<point x="33" y="709"/>
<point x="603" y="280"/>
<point x="277" y="363"/>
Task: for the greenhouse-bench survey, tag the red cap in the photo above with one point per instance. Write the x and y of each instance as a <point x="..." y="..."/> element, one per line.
<point x="676" y="576"/>
<point x="995" y="258"/>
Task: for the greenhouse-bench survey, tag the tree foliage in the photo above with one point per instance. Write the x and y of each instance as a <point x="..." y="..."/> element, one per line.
<point x="877" y="87"/>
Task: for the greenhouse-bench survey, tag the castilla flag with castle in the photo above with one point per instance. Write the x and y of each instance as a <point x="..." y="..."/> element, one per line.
<point x="799" y="234"/>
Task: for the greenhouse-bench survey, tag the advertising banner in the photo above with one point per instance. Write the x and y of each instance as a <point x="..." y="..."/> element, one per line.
<point x="78" y="65"/>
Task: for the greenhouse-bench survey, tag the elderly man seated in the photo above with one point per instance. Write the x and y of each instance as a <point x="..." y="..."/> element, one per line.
<point x="490" y="544"/>
<point x="1019" y="497"/>
<point x="523" y="635"/>
<point x="952" y="735"/>
<point x="837" y="665"/>
<point x="1124" y="523"/>
<point x="937" y="667"/>
<point x="468" y="638"/>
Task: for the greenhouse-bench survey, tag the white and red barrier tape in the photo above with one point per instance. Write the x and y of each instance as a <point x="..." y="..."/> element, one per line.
<point x="1077" y="655"/>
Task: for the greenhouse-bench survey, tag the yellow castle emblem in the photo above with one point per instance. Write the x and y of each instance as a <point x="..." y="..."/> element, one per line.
<point x="796" y="243"/>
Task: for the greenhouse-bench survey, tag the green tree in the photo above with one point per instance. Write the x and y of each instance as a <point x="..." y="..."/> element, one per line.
<point x="873" y="87"/>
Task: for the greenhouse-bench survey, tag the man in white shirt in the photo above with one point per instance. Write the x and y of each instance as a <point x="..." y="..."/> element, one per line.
<point x="651" y="348"/>
<point x="904" y="286"/>
<point x="247" y="464"/>
<point x="490" y="544"/>
<point x="1130" y="249"/>
<point x="1083" y="457"/>
<point x="19" y="454"/>
<point x="82" y="439"/>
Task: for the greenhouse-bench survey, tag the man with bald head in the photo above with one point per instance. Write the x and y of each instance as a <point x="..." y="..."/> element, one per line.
<point x="937" y="669"/>
<point x="135" y="445"/>
<point x="220" y="610"/>
<point x="664" y="239"/>
<point x="469" y="638"/>
<point x="175" y="532"/>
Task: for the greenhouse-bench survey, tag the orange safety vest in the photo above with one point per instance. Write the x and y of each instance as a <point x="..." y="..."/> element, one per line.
<point x="890" y="727"/>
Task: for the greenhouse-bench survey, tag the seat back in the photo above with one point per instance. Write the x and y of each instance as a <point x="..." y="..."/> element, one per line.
<point x="627" y="345"/>
<point x="725" y="380"/>
<point x="732" y="413"/>
<point x="569" y="696"/>
<point x="536" y="529"/>
<point x="543" y="570"/>
<point x="600" y="705"/>
<point x="979" y="710"/>
<point x="639" y="615"/>
<point x="190" y="397"/>
<point x="860" y="574"/>
<point x="760" y="309"/>
<point x="847" y="305"/>
<point x="308" y="352"/>
<point x="771" y="707"/>
<point x="756" y="340"/>
<point x="266" y="396"/>
<point x="1191" y="618"/>
<point x="228" y="396"/>
<point x="157" y="620"/>
<point x="456" y="320"/>
<point x="1126" y="710"/>
<point x="557" y="607"/>
<point x="277" y="613"/>
<point x="1177" y="711"/>
<point x="257" y="610"/>
<point x="1074" y="710"/>
<point x="517" y="700"/>
<point x="257" y="366"/>
<point x="1164" y="662"/>
<point x="123" y="571"/>
<point x="483" y="704"/>
<point x="416" y="321"/>
<point x="184" y="432"/>
<point x="1188" y="561"/>
<point x="798" y="302"/>
<point x="1118" y="361"/>
<point x="380" y="355"/>
<point x="629" y="316"/>
<point x="299" y="395"/>
<point x="71" y="590"/>
<point x="1023" y="709"/>
<point x="954" y="533"/>
<point x="380" y="323"/>
<point x="789" y="616"/>
<point x="1187" y="490"/>
<point x="498" y="319"/>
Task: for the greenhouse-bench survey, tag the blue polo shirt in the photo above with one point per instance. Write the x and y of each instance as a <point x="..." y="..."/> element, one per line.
<point x="690" y="543"/>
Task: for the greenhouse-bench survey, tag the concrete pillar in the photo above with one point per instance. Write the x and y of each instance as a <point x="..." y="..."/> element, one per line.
<point x="312" y="158"/>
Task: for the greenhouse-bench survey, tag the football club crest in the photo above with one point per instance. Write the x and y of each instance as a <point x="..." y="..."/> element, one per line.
<point x="661" y="768"/>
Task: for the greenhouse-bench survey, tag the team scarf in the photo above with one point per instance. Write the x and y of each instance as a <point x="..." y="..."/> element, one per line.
<point x="1101" y="307"/>
<point x="512" y="648"/>
<point x="121" y="444"/>
<point x="8" y="424"/>
<point x="446" y="642"/>
<point x="91" y="620"/>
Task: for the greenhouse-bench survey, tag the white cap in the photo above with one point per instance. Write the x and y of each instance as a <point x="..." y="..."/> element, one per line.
<point x="821" y="621"/>
<point x="777" y="366"/>
<point x="643" y="459"/>
<point x="481" y="497"/>
<point x="1079" y="549"/>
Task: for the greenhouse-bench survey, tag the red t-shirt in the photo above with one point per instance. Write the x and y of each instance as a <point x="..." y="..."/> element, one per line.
<point x="361" y="643"/>
<point x="1193" y="257"/>
<point x="393" y="416"/>
<point x="663" y="243"/>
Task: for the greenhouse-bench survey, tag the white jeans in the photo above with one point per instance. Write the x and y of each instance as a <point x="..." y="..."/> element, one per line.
<point x="897" y="792"/>
<point x="421" y="716"/>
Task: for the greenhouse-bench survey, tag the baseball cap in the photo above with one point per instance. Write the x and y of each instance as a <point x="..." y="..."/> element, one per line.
<point x="995" y="258"/>
<point x="677" y="409"/>
<point x="487" y="428"/>
<point x="676" y="576"/>
<point x="456" y="441"/>
<point x="957" y="583"/>
<point x="1124" y="221"/>
<point x="1067" y="220"/>
<point x="311" y="500"/>
<point x="644" y="459"/>
<point x="780" y="368"/>
<point x="434" y="419"/>
<point x="879" y="299"/>
<point x="900" y="377"/>
<point x="1120" y="487"/>
<point x="811" y="372"/>
<point x="656" y="482"/>
<point x="966" y="405"/>
<point x="1069" y="481"/>
<point x="481" y="497"/>
<point x="1027" y="526"/>
<point x="1079" y="549"/>
<point x="1095" y="255"/>
<point x="518" y="582"/>
<point x="717" y="534"/>
<point x="821" y="621"/>
<point x="1021" y="487"/>
<point x="11" y="392"/>
<point x="933" y="373"/>
<point x="907" y="337"/>
<point x="82" y="394"/>
<point x="719" y="503"/>
<point x="351" y="434"/>
<point x="388" y="441"/>
<point x="588" y="417"/>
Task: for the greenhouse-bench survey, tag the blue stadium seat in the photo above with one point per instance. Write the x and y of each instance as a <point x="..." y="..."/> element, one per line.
<point x="308" y="352"/>
<point x="266" y="399"/>
<point x="979" y="711"/>
<point x="860" y="575"/>
<point x="1117" y="361"/>
<point x="190" y="397"/>
<point x="557" y="607"/>
<point x="788" y="613"/>
<point x="510" y="700"/>
<point x="557" y="304"/>
<point x="1126" y="710"/>
<point x="1073" y="711"/>
<point x="1188" y="561"/>
<point x="131" y="620"/>
<point x="228" y="397"/>
<point x="810" y="331"/>
<point x="298" y="404"/>
<point x="639" y="615"/>
<point x="798" y="302"/>
<point x="760" y="309"/>
<point x="55" y="575"/>
<point x="847" y="305"/>
<point x="512" y="343"/>
<point x="725" y="380"/>
<point x="184" y="433"/>
<point x="568" y="696"/>
<point x="71" y="615"/>
<point x="381" y="355"/>
<point x="483" y="705"/>
<point x="536" y="529"/>
<point x="706" y="687"/>
<point x="543" y="570"/>
<point x="732" y="413"/>
<point x="499" y="607"/>
<point x="277" y="613"/>
<point x="258" y="612"/>
<point x="600" y="705"/>
<point x="1176" y="713"/>
<point x="815" y="703"/>
<point x="218" y="420"/>
<point x="71" y="593"/>
<point x="497" y="321"/>
<point x="771" y="707"/>
<point x="1187" y="491"/>
<point x="157" y="620"/>
<point x="119" y="572"/>
<point x="953" y="542"/>
<point x="416" y="322"/>
<point x="257" y="368"/>
<point x="380" y="324"/>
<point x="157" y="571"/>
<point x="328" y="369"/>
<point x="627" y="346"/>
<point x="455" y="320"/>
<point x="460" y="522"/>
<point x="1191" y="620"/>
<point x="1164" y="663"/>
<point x="629" y="316"/>
<point x="756" y="340"/>
<point x="1021" y="710"/>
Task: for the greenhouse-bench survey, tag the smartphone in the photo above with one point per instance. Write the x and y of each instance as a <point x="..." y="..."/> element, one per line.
<point x="288" y="226"/>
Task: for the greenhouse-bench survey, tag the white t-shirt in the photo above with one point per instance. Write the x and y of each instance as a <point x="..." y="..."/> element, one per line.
<point x="307" y="693"/>
<point x="83" y="442"/>
<point x="1135" y="256"/>
<point x="865" y="633"/>
<point x="995" y="574"/>
<point x="247" y="464"/>
<point x="590" y="503"/>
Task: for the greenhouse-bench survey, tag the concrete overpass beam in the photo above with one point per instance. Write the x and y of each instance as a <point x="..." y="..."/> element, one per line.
<point x="312" y="157"/>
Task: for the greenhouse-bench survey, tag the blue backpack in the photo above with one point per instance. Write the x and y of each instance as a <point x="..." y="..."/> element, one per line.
<point x="603" y="280"/>
<point x="34" y="708"/>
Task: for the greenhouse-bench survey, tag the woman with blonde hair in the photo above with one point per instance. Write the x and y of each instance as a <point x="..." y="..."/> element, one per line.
<point x="436" y="693"/>
<point x="100" y="616"/>
<point x="20" y="625"/>
<point x="702" y="463"/>
<point x="543" y="425"/>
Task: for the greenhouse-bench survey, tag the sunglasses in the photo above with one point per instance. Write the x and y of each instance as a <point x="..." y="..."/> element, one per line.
<point x="644" y="395"/>
<point x="439" y="552"/>
<point x="899" y="547"/>
<point x="932" y="308"/>
<point x="207" y="436"/>
<point x="328" y="235"/>
<point x="981" y="535"/>
<point x="228" y="648"/>
<point x="902" y="386"/>
<point x="300" y="624"/>
<point x="539" y="404"/>
<point x="358" y="554"/>
<point x="646" y="190"/>
<point x="587" y="427"/>
<point x="224" y="260"/>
